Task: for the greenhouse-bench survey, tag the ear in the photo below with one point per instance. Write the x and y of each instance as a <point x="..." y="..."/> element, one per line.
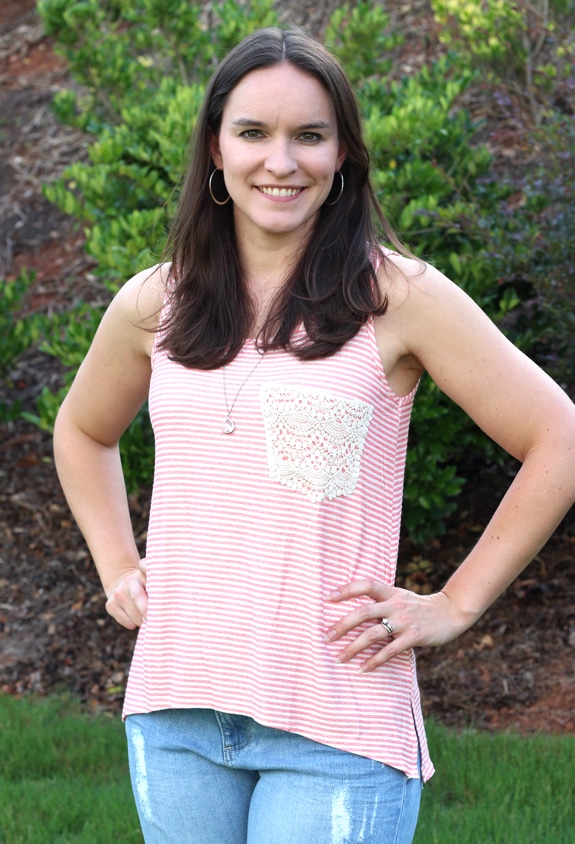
<point x="341" y="156"/>
<point x="215" y="150"/>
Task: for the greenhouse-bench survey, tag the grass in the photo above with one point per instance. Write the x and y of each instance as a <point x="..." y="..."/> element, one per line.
<point x="498" y="789"/>
<point x="64" y="780"/>
<point x="63" y="776"/>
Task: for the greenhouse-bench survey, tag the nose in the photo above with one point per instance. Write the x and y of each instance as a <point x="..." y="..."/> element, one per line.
<point x="280" y="160"/>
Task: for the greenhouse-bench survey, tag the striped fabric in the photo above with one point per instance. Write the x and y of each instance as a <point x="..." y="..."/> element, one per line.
<point x="250" y="531"/>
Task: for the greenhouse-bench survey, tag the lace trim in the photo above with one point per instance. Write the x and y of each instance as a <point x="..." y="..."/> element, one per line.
<point x="314" y="440"/>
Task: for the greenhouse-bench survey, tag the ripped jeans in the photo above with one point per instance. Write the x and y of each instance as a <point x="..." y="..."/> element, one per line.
<point x="205" y="777"/>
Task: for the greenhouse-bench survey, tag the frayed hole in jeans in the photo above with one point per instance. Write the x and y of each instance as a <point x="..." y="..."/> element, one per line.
<point x="140" y="773"/>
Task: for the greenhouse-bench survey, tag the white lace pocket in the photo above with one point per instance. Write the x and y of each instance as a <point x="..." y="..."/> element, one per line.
<point x="314" y="439"/>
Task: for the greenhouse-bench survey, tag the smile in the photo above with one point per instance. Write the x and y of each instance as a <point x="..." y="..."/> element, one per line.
<point x="283" y="192"/>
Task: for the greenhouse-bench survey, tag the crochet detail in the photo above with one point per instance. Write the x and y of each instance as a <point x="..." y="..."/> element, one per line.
<point x="314" y="439"/>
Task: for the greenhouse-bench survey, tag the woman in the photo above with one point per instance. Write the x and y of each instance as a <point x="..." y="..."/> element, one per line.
<point x="272" y="696"/>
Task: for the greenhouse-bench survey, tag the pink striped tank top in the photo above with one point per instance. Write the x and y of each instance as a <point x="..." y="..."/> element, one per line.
<point x="250" y="531"/>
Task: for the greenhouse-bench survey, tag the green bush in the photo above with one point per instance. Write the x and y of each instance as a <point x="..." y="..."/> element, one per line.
<point x="553" y="269"/>
<point x="538" y="258"/>
<point x="70" y="337"/>
<point x="14" y="336"/>
<point x="142" y="66"/>
<point x="526" y="46"/>
<point x="527" y="51"/>
<point x="17" y="333"/>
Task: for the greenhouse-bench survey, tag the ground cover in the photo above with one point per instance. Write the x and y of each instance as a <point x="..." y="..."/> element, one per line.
<point x="64" y="780"/>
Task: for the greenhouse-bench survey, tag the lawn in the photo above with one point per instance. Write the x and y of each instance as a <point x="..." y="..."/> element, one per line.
<point x="64" y="780"/>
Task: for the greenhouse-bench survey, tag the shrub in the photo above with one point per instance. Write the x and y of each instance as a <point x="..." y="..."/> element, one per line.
<point x="70" y="337"/>
<point x="538" y="258"/>
<point x="527" y="51"/>
<point x="17" y="333"/>
<point x="525" y="46"/>
<point x="553" y="268"/>
<point x="142" y="66"/>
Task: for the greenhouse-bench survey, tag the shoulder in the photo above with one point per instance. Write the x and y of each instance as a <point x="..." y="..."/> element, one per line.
<point x="131" y="320"/>
<point x="430" y="324"/>
<point x="141" y="298"/>
<point x="133" y="316"/>
<point x="113" y="381"/>
<point x="412" y="282"/>
<point x="423" y="302"/>
<point x="436" y="326"/>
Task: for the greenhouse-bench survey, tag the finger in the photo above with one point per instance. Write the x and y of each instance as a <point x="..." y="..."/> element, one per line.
<point x="366" y="612"/>
<point x="128" y="614"/>
<point x="388" y="652"/>
<point x="138" y="595"/>
<point x="374" y="635"/>
<point x="356" y="588"/>
<point x="119" y="614"/>
<point x="128" y="603"/>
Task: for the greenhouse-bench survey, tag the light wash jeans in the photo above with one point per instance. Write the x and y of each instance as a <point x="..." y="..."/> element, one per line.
<point x="205" y="777"/>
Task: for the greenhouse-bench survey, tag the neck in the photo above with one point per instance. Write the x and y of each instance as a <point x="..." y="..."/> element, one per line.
<point x="266" y="271"/>
<point x="267" y="258"/>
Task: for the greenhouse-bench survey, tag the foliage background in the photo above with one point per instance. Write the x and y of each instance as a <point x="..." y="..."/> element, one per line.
<point x="503" y="229"/>
<point x="512" y="670"/>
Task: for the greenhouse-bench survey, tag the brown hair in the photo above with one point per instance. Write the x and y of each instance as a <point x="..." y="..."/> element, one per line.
<point x="333" y="288"/>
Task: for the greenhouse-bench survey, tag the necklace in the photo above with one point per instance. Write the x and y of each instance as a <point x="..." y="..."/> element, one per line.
<point x="228" y="426"/>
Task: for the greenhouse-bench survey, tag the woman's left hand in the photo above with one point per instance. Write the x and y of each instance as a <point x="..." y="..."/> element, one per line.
<point x="415" y="620"/>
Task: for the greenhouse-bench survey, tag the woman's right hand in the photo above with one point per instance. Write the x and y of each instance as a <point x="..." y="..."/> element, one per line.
<point x="128" y="600"/>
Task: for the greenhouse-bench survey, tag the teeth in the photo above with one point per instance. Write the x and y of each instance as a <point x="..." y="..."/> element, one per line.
<point x="280" y="191"/>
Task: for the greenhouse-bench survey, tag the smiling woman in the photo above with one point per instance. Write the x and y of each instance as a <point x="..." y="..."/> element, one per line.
<point x="327" y="282"/>
<point x="278" y="147"/>
<point x="273" y="693"/>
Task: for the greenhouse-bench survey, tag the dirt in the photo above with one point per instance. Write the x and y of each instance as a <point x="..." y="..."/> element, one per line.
<point x="513" y="669"/>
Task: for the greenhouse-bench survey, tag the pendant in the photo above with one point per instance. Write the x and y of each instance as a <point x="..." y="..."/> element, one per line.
<point x="228" y="426"/>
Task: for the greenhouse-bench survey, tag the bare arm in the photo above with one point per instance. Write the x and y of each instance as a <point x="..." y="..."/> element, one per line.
<point x="520" y="408"/>
<point x="109" y="389"/>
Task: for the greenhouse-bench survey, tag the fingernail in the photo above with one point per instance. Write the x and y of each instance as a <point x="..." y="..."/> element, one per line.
<point x="330" y="636"/>
<point x="334" y="595"/>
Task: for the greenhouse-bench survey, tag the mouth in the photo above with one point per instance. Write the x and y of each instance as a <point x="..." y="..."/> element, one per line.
<point x="283" y="193"/>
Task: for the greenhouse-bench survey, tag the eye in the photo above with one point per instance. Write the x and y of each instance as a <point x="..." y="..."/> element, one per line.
<point x="310" y="137"/>
<point x="251" y="134"/>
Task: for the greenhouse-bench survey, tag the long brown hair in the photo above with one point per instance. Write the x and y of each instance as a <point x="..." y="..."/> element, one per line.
<point x="333" y="288"/>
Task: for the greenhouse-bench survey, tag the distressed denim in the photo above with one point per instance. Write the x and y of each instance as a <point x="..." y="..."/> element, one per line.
<point x="205" y="777"/>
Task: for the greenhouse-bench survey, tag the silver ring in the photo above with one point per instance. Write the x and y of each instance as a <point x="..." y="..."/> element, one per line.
<point x="387" y="626"/>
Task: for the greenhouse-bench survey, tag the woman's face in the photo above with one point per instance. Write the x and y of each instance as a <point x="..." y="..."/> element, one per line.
<point x="278" y="147"/>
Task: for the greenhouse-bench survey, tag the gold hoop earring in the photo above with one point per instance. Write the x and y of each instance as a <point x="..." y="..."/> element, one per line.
<point x="338" y="197"/>
<point x="217" y="201"/>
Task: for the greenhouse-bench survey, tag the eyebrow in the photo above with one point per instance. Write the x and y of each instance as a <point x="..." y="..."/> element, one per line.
<point x="258" y="124"/>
